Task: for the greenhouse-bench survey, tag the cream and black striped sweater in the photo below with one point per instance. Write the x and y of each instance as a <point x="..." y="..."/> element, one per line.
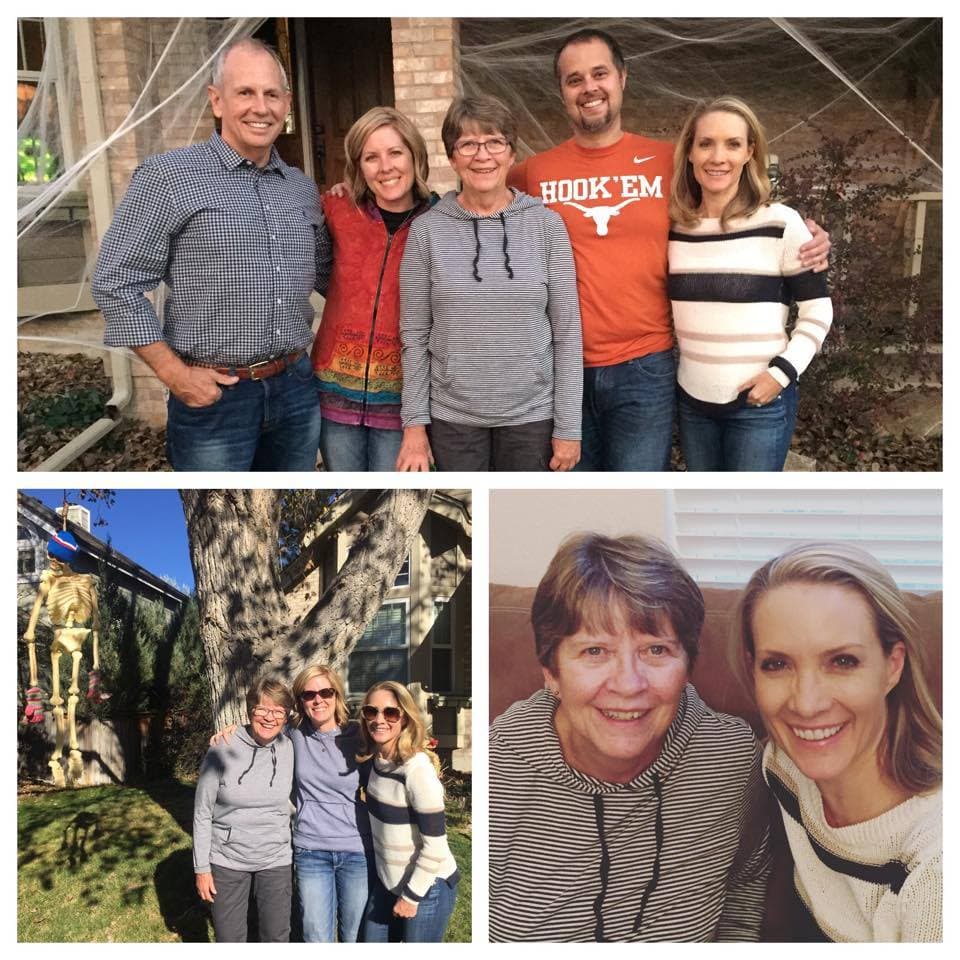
<point x="731" y="292"/>
<point x="680" y="853"/>
<point x="405" y="803"/>
<point x="877" y="881"/>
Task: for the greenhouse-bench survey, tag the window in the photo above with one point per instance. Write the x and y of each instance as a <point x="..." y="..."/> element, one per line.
<point x="441" y="648"/>
<point x="722" y="536"/>
<point x="382" y="652"/>
<point x="31" y="45"/>
<point x="403" y="574"/>
<point x="26" y="561"/>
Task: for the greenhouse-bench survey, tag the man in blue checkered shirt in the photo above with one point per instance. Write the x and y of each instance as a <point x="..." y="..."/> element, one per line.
<point x="232" y="231"/>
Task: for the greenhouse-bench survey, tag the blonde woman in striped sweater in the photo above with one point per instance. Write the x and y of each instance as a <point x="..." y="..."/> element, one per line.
<point x="855" y="750"/>
<point x="416" y="886"/>
<point x="734" y="269"/>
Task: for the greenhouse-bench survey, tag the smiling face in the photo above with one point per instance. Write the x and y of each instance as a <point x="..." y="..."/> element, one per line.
<point x="383" y="731"/>
<point x="251" y="103"/>
<point x="266" y="720"/>
<point x="483" y="173"/>
<point x="387" y="166"/>
<point x="618" y="696"/>
<point x="719" y="152"/>
<point x="591" y="88"/>
<point x="320" y="711"/>
<point x="822" y="678"/>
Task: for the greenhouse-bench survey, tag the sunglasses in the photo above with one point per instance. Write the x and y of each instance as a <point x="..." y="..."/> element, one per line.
<point x="390" y="714"/>
<point x="308" y="696"/>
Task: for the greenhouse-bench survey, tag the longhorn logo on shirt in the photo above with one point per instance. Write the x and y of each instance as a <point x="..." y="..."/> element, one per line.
<point x="601" y="215"/>
<point x="626" y="189"/>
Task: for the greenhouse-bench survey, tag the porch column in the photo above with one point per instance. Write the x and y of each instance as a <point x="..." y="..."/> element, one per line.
<point x="426" y="77"/>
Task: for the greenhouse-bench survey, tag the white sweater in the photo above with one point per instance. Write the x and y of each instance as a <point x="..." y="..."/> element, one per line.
<point x="731" y="292"/>
<point x="876" y="881"/>
<point x="405" y="803"/>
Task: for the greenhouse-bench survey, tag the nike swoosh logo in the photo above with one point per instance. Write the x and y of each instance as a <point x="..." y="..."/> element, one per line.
<point x="643" y="159"/>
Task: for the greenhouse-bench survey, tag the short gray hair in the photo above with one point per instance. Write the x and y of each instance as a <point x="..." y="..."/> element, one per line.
<point x="250" y="43"/>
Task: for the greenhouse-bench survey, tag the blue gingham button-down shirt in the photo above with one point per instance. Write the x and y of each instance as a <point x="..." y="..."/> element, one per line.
<point x="235" y="244"/>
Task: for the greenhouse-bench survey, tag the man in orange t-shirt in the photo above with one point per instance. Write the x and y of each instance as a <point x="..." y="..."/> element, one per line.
<point x="611" y="188"/>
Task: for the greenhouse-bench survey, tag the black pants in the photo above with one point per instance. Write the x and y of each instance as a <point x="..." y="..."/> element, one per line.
<point x="456" y="446"/>
<point x="272" y="889"/>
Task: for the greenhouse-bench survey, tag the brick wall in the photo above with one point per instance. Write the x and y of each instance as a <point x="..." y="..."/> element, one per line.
<point x="426" y="77"/>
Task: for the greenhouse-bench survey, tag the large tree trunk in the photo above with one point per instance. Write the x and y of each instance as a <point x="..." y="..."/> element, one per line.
<point x="245" y="623"/>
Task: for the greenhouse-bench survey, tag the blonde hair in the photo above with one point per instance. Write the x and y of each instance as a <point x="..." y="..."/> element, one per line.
<point x="913" y="751"/>
<point x="356" y="137"/>
<point x="686" y="194"/>
<point x="413" y="737"/>
<point x="341" y="711"/>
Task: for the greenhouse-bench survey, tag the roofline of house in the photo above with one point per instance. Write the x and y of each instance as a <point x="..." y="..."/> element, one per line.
<point x="101" y="552"/>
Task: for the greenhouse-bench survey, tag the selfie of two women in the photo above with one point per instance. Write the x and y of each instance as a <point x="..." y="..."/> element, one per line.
<point x="724" y="707"/>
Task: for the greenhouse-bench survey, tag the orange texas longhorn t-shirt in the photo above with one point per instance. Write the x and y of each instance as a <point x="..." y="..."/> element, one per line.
<point x="613" y="201"/>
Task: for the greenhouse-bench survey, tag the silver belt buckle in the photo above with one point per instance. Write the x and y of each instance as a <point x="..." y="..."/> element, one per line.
<point x="263" y="363"/>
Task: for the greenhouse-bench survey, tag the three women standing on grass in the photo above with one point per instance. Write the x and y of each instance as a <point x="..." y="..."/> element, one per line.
<point x="394" y="881"/>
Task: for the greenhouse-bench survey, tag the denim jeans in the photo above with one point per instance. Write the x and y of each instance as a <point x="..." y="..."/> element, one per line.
<point x="427" y="926"/>
<point x="743" y="438"/>
<point x="344" y="446"/>
<point x="628" y="414"/>
<point x="271" y="424"/>
<point x="333" y="888"/>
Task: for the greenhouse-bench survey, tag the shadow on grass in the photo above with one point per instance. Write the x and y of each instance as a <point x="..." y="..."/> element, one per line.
<point x="183" y="912"/>
<point x="80" y="844"/>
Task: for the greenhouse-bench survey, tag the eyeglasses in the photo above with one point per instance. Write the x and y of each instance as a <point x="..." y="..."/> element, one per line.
<point x="469" y="148"/>
<point x="390" y="714"/>
<point x="308" y="696"/>
<point x="262" y="713"/>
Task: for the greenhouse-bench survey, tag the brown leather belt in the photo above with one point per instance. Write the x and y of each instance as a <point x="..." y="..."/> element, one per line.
<point x="256" y="371"/>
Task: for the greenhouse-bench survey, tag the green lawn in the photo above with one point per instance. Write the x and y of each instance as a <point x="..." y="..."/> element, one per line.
<point x="114" y="864"/>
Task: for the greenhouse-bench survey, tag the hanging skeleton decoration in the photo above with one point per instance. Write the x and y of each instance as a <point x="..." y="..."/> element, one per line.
<point x="71" y="600"/>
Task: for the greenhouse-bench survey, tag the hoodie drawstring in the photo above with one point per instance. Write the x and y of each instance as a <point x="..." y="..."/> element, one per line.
<point x="506" y="253"/>
<point x="658" y="833"/>
<point x="598" y="935"/>
<point x="253" y="758"/>
<point x="476" y="259"/>
<point x="506" y="256"/>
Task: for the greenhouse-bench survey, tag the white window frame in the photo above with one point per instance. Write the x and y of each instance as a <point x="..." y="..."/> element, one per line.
<point x="446" y="602"/>
<point x="399" y="601"/>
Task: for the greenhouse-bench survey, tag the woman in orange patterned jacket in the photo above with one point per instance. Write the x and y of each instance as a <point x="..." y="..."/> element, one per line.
<point x="356" y="355"/>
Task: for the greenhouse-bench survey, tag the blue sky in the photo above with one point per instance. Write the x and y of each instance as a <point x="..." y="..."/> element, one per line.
<point x="146" y="525"/>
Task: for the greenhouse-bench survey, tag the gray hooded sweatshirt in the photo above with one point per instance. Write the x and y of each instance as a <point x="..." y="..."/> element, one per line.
<point x="490" y="319"/>
<point x="241" y="811"/>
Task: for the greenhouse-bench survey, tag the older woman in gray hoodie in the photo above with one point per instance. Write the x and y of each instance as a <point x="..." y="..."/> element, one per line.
<point x="241" y="821"/>
<point x="489" y="316"/>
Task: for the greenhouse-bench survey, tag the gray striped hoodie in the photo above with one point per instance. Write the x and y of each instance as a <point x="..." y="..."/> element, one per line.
<point x="490" y="320"/>
<point x="678" y="853"/>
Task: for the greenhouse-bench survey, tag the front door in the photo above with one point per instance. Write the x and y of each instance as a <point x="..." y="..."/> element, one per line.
<point x="349" y="69"/>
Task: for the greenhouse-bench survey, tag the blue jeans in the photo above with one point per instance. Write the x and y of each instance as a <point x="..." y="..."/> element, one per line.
<point x="742" y="438"/>
<point x="628" y="414"/>
<point x="271" y="424"/>
<point x="428" y="926"/>
<point x="347" y="447"/>
<point x="333" y="889"/>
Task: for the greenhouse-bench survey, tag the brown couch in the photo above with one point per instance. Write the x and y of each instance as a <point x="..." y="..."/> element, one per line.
<point x="515" y="674"/>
